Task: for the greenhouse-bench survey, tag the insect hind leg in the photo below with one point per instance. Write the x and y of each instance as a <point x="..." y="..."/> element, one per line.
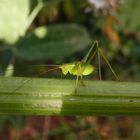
<point x="99" y="64"/>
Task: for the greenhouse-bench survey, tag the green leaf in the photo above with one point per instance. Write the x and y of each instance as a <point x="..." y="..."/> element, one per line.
<point x="54" y="42"/>
<point x="13" y="19"/>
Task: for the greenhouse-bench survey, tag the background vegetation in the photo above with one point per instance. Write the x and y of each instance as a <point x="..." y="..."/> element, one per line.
<point x="35" y="33"/>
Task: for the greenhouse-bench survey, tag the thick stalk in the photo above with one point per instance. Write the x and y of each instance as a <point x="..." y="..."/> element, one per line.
<point x="57" y="97"/>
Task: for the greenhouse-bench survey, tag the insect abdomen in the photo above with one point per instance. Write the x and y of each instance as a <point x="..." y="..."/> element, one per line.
<point x="88" y="69"/>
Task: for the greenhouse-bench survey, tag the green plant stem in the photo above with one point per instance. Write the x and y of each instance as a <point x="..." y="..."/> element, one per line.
<point x="57" y="97"/>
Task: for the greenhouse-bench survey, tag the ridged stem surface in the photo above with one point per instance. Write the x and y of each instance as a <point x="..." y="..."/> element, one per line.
<point x="37" y="96"/>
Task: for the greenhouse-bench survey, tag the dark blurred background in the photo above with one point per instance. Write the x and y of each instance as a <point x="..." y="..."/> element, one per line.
<point x="37" y="33"/>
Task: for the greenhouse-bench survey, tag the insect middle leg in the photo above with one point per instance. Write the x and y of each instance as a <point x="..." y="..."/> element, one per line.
<point x="76" y="83"/>
<point x="81" y="80"/>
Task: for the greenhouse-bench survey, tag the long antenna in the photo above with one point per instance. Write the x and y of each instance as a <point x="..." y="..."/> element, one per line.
<point x="28" y="80"/>
<point x="49" y="65"/>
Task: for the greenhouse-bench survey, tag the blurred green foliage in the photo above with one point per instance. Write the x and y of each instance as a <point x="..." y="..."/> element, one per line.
<point x="129" y="18"/>
<point x="44" y="31"/>
<point x="53" y="42"/>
